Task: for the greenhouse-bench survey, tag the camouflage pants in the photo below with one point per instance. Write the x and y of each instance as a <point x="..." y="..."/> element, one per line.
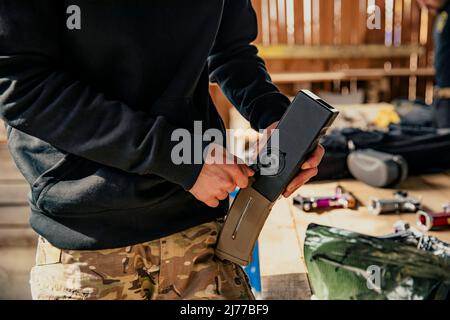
<point x="180" y="266"/>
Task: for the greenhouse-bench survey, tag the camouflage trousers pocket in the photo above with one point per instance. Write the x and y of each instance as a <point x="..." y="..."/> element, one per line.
<point x="180" y="266"/>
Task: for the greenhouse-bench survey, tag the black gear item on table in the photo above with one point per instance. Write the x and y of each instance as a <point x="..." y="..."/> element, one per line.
<point x="425" y="149"/>
<point x="377" y="169"/>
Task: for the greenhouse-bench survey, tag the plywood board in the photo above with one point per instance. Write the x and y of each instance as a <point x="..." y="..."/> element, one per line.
<point x="282" y="269"/>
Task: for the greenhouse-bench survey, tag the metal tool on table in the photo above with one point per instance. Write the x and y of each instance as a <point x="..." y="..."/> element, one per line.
<point x="341" y="199"/>
<point x="400" y="203"/>
<point x="431" y="221"/>
<point x="306" y="120"/>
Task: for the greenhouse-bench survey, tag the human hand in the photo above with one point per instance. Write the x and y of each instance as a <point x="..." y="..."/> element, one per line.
<point x="220" y="175"/>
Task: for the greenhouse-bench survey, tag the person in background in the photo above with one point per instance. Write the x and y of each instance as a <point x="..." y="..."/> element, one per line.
<point x="442" y="60"/>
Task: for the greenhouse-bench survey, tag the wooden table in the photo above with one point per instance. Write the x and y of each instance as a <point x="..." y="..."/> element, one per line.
<point x="281" y="242"/>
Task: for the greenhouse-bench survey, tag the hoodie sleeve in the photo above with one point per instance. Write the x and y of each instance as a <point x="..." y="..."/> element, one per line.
<point x="40" y="98"/>
<point x="234" y="64"/>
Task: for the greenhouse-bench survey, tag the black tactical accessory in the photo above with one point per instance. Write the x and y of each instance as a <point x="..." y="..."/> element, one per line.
<point x="425" y="149"/>
<point x="306" y="120"/>
<point x="377" y="169"/>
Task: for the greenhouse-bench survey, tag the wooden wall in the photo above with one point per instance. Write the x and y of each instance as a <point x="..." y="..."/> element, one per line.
<point x="289" y="28"/>
<point x="338" y="23"/>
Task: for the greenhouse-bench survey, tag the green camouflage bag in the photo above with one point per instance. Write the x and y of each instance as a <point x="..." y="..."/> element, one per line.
<point x="344" y="265"/>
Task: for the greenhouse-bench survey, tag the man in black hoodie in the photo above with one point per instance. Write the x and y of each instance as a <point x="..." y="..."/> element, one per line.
<point x="92" y="93"/>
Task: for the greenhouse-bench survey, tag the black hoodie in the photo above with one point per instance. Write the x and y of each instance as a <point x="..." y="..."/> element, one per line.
<point x="91" y="92"/>
<point x="442" y="47"/>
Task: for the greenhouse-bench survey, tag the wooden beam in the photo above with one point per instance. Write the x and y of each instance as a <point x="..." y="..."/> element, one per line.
<point x="326" y="22"/>
<point x="299" y="23"/>
<point x="338" y="52"/>
<point x="347" y="75"/>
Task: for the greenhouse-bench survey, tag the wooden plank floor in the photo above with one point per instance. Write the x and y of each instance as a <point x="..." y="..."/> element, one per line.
<point x="282" y="273"/>
<point x="281" y="241"/>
